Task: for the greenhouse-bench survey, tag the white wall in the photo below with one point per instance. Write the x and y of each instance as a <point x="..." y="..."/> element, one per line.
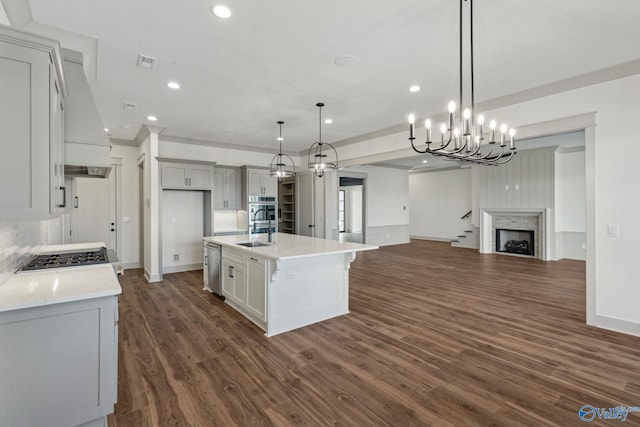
<point x="570" y="205"/>
<point x="570" y="192"/>
<point x="353" y="208"/>
<point x="182" y="230"/>
<point x="438" y="201"/>
<point x="612" y="284"/>
<point x="386" y="204"/>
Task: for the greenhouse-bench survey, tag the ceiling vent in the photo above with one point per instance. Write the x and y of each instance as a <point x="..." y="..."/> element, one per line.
<point x="145" y="61"/>
<point x="129" y="106"/>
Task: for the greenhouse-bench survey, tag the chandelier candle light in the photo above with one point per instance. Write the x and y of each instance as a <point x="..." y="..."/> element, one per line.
<point x="319" y="161"/>
<point x="465" y="142"/>
<point x="279" y="168"/>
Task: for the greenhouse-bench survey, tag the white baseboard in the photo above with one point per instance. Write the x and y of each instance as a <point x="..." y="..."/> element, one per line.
<point x="617" y="325"/>
<point x="181" y="268"/>
<point x="151" y="278"/>
<point x="435" y="239"/>
<point x="131" y="265"/>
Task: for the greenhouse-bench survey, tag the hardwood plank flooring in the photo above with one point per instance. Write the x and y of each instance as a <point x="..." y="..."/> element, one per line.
<point x="436" y="336"/>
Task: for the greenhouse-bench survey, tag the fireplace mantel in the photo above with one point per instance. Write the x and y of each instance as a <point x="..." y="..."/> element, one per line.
<point x="544" y="228"/>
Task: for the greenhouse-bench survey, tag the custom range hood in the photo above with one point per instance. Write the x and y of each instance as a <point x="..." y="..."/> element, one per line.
<point x="86" y="147"/>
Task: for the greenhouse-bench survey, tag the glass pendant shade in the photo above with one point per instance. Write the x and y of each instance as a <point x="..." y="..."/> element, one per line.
<point x="322" y="155"/>
<point x="282" y="165"/>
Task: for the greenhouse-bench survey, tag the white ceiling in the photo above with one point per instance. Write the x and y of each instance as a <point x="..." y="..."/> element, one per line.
<point x="274" y="59"/>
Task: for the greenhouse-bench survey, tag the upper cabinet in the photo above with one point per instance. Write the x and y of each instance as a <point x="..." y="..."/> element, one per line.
<point x="31" y="126"/>
<point x="226" y="188"/>
<point x="260" y="183"/>
<point x="186" y="176"/>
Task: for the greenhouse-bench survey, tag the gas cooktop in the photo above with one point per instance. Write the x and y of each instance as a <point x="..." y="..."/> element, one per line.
<point x="67" y="259"/>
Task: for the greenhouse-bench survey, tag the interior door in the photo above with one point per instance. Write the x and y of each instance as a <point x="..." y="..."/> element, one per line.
<point x="94" y="219"/>
<point x="305" y="199"/>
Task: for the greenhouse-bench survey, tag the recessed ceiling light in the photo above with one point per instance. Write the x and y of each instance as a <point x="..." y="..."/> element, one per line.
<point x="414" y="88"/>
<point x="425" y="161"/>
<point x="106" y="129"/>
<point x="221" y="11"/>
<point x="152" y="118"/>
<point x="328" y="121"/>
<point x="173" y="85"/>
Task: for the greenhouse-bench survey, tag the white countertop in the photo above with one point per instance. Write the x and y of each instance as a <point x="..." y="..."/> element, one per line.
<point x="289" y="246"/>
<point x="54" y="286"/>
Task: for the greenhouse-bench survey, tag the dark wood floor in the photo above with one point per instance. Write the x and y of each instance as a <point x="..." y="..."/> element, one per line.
<point x="436" y="336"/>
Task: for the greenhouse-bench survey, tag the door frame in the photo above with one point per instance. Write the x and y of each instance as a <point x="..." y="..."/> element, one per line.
<point x="363" y="176"/>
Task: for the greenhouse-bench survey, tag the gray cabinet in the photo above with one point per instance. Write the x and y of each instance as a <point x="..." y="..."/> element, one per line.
<point x="31" y="126"/>
<point x="244" y="284"/>
<point x="260" y="183"/>
<point x="256" y="287"/>
<point x="186" y="176"/>
<point x="233" y="277"/>
<point x="226" y="188"/>
<point x="58" y="363"/>
<point x="58" y="190"/>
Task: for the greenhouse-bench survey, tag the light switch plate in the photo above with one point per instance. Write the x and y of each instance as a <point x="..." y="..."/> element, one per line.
<point x="613" y="231"/>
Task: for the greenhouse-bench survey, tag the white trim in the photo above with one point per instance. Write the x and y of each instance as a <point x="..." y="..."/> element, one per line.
<point x="132" y="265"/>
<point x="543" y="214"/>
<point x="434" y="239"/>
<point x="181" y="268"/>
<point x="617" y="325"/>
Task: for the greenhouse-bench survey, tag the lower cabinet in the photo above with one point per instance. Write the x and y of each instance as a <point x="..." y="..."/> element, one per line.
<point x="59" y="363"/>
<point x="256" y="287"/>
<point x="244" y="284"/>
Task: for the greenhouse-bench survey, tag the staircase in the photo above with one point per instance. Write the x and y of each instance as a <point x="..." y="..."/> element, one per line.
<point x="470" y="238"/>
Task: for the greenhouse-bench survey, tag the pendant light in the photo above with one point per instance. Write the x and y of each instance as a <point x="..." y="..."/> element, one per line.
<point x="322" y="156"/>
<point x="279" y="168"/>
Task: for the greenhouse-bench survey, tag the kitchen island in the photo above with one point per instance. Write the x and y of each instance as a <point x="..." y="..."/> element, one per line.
<point x="291" y="282"/>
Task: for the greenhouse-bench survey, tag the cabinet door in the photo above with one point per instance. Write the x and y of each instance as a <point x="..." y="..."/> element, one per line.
<point x="219" y="200"/>
<point x="269" y="185"/>
<point x="233" y="281"/>
<point x="226" y="188"/>
<point x="228" y="279"/>
<point x="256" y="287"/>
<point x="174" y="175"/>
<point x="255" y="182"/>
<point x="56" y="146"/>
<point x="232" y="188"/>
<point x="200" y="177"/>
<point x="24" y="123"/>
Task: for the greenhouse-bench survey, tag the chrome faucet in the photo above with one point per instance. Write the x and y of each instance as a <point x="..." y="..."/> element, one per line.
<point x="269" y="233"/>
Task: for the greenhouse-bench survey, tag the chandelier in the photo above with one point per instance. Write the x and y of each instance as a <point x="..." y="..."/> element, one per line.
<point x="279" y="168"/>
<point x="319" y="161"/>
<point x="464" y="139"/>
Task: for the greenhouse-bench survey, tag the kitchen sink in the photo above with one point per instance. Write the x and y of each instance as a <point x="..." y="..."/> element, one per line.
<point x="253" y="244"/>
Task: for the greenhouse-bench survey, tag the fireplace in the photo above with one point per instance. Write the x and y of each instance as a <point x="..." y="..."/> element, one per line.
<point x="519" y="242"/>
<point x="537" y="220"/>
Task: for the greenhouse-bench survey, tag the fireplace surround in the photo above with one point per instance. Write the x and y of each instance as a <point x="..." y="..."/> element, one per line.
<point x="537" y="220"/>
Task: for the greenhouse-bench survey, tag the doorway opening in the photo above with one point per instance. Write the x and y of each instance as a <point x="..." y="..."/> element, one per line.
<point x="351" y="209"/>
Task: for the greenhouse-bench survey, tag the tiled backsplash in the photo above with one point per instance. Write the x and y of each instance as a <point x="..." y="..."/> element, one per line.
<point x="18" y="241"/>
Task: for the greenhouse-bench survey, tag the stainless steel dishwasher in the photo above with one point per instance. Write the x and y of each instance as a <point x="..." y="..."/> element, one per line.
<point x="212" y="268"/>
